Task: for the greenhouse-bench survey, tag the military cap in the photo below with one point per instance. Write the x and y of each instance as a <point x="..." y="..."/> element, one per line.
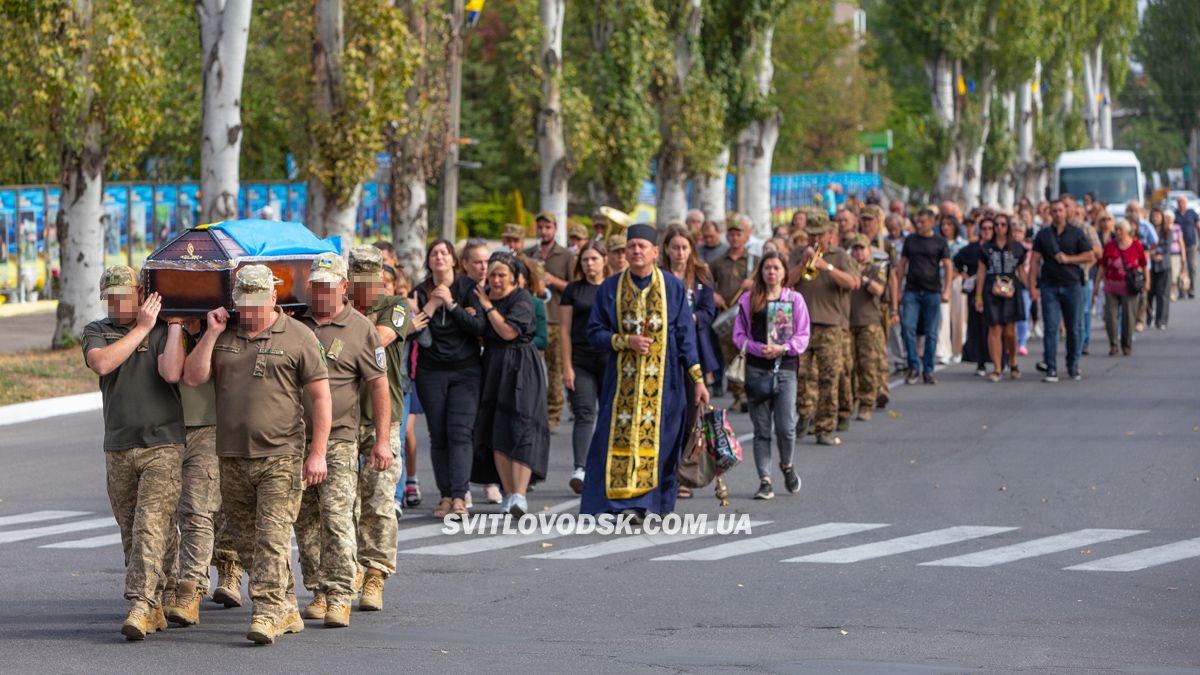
<point x="118" y="278"/>
<point x="366" y="261"/>
<point x="253" y="285"/>
<point x="513" y="231"/>
<point x="577" y="231"/>
<point x="859" y="240"/>
<point x="872" y="211"/>
<point x="548" y="216"/>
<point x="328" y="268"/>
<point x="817" y="224"/>
<point x="734" y="221"/>
<point x="616" y="243"/>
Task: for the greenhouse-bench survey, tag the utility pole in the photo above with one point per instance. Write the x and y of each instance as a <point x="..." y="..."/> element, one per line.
<point x="449" y="186"/>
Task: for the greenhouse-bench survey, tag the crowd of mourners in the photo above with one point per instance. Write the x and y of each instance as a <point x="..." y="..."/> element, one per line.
<point x="224" y="437"/>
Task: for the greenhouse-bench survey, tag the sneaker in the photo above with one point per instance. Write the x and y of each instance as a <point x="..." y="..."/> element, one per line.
<point x="412" y="492"/>
<point x="517" y="506"/>
<point x="981" y="372"/>
<point x="764" y="490"/>
<point x="930" y="379"/>
<point x="1022" y="351"/>
<point x="911" y="376"/>
<point x="1076" y="375"/>
<point x="791" y="479"/>
<point x="1041" y="366"/>
<point x="505" y="503"/>
<point x="1051" y="376"/>
<point x="491" y="494"/>
<point x="576" y="481"/>
<point x="826" y="439"/>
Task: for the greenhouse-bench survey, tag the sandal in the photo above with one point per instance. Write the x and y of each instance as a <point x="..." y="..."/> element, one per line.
<point x="442" y="508"/>
<point x="458" y="508"/>
<point x="994" y="377"/>
<point x="684" y="492"/>
<point x="1014" y="372"/>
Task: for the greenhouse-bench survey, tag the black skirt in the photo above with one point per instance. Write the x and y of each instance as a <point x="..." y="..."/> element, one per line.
<point x="997" y="310"/>
<point x="512" y="415"/>
<point x="975" y="345"/>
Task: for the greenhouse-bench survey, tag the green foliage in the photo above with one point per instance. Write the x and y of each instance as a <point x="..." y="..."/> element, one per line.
<point x="174" y="26"/>
<point x="1167" y="45"/>
<point x="515" y="213"/>
<point x="1152" y="131"/>
<point x="1000" y="150"/>
<point x="482" y="219"/>
<point x="376" y="66"/>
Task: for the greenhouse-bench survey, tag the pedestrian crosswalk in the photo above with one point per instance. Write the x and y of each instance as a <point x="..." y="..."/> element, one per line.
<point x="840" y="543"/>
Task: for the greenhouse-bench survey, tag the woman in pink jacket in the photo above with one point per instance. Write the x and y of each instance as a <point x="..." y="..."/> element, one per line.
<point x="772" y="328"/>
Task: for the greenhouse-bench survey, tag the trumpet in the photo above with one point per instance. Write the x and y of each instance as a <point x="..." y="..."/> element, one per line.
<point x="810" y="271"/>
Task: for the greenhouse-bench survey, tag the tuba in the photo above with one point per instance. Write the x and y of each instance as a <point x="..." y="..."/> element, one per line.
<point x="810" y="270"/>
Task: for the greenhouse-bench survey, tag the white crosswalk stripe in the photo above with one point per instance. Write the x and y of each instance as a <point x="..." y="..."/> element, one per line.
<point x="626" y="544"/>
<point x="38" y="516"/>
<point x="803" y="535"/>
<point x="1147" y="557"/>
<point x="482" y="544"/>
<point x="51" y="530"/>
<point x="1037" y="547"/>
<point x="914" y="542"/>
<point x="90" y="542"/>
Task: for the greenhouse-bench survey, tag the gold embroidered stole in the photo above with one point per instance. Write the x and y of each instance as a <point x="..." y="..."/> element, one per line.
<point x="632" y="465"/>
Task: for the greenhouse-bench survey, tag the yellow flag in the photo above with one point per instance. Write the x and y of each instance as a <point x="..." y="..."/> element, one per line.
<point x="962" y="86"/>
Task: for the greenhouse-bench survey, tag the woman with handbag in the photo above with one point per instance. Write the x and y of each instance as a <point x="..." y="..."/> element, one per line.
<point x="772" y="330"/>
<point x="998" y="284"/>
<point x="1123" y="266"/>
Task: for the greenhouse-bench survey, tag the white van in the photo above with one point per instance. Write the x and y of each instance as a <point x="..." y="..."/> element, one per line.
<point x="1112" y="176"/>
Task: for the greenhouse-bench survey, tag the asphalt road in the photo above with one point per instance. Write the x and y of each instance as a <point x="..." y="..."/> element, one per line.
<point x="1004" y="486"/>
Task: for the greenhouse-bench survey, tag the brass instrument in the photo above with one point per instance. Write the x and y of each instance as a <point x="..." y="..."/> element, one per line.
<point x="810" y="270"/>
<point x="618" y="221"/>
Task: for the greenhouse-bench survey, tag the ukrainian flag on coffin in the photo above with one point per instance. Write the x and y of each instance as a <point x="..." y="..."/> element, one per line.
<point x="473" y="9"/>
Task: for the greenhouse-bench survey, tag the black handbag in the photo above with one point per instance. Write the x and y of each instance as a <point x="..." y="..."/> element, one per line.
<point x="763" y="387"/>
<point x="1135" y="279"/>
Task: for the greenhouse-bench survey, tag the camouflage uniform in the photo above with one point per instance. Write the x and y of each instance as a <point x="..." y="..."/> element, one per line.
<point x="143" y="444"/>
<point x="376" y="499"/>
<point x="820" y="377"/>
<point x="325" y="525"/>
<point x="868" y="347"/>
<point x="200" y="495"/>
<point x="846" y="381"/>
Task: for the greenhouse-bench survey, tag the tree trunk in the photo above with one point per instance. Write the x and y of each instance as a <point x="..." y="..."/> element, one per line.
<point x="82" y="237"/>
<point x="1025" y="134"/>
<point x="329" y="218"/>
<point x="224" y="29"/>
<point x="941" y="82"/>
<point x="756" y="149"/>
<point x="670" y="168"/>
<point x="1106" y="129"/>
<point x="410" y="218"/>
<point x="1093" y="68"/>
<point x="553" y="169"/>
<point x="709" y="192"/>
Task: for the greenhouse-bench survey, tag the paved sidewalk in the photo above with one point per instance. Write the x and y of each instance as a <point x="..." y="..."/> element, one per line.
<point x="27" y="325"/>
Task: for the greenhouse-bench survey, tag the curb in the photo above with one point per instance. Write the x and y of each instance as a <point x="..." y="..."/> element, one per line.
<point x="32" y="411"/>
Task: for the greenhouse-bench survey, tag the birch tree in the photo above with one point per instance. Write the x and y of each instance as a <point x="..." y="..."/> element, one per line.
<point x="224" y="31"/>
<point x="553" y="167"/>
<point x="92" y="77"/>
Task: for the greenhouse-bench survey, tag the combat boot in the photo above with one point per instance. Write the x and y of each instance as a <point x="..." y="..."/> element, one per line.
<point x="264" y="630"/>
<point x="359" y="579"/>
<point x="317" y="608"/>
<point x="338" y="614"/>
<point x="229" y="584"/>
<point x="843" y="424"/>
<point x="185" y="607"/>
<point x="826" y="439"/>
<point x="168" y="595"/>
<point x="372" y="592"/>
<point x="864" y="413"/>
<point x="140" y="621"/>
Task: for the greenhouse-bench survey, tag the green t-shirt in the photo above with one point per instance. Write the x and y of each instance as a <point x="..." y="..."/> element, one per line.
<point x="141" y="410"/>
<point x="199" y="403"/>
<point x="395" y="313"/>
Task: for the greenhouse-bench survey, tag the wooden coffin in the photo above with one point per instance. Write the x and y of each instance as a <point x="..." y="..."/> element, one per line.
<point x="194" y="273"/>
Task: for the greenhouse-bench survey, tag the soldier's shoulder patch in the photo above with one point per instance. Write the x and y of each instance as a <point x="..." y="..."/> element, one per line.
<point x="380" y="358"/>
<point x="399" y="314"/>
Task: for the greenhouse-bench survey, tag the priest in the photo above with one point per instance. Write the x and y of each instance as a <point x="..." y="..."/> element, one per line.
<point x="642" y="319"/>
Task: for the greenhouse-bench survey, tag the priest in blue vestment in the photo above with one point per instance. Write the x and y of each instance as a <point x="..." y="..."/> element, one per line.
<point x="642" y="318"/>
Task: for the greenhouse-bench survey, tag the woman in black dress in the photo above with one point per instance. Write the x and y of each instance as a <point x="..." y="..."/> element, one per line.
<point x="998" y="284"/>
<point x="512" y="435"/>
<point x="966" y="261"/>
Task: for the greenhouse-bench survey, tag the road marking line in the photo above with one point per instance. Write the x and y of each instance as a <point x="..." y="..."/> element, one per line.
<point x="421" y="532"/>
<point x="772" y="541"/>
<point x="1034" y="548"/>
<point x="482" y="544"/>
<point x="626" y="544"/>
<point x="899" y="545"/>
<point x="51" y="530"/>
<point x="36" y="516"/>
<point x="1147" y="557"/>
<point x="90" y="542"/>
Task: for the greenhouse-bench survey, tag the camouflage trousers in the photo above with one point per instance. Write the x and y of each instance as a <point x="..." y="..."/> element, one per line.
<point x="260" y="498"/>
<point x="869" y="355"/>
<point x="190" y="550"/>
<point x="325" y="526"/>
<point x="846" y="381"/>
<point x="820" y="377"/>
<point x="883" y="368"/>
<point x="554" y="376"/>
<point x="375" y="510"/>
<point x="143" y="489"/>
